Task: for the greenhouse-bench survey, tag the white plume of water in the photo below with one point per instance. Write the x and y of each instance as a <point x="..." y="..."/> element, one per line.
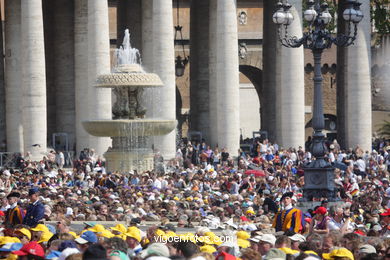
<point x="126" y="55"/>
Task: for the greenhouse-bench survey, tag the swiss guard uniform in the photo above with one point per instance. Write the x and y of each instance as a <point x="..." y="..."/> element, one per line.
<point x="35" y="211"/>
<point x="15" y="214"/>
<point x="289" y="219"/>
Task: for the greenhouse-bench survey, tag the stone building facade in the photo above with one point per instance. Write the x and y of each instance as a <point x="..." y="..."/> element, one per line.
<point x="234" y="51"/>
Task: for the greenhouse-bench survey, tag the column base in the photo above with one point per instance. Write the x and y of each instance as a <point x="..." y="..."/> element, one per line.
<point x="319" y="183"/>
<point x="125" y="161"/>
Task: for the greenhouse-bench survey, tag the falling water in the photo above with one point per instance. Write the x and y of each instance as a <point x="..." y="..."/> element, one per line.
<point x="126" y="54"/>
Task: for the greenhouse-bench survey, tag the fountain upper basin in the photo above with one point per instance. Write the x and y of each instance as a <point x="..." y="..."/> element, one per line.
<point x="129" y="75"/>
<point x="123" y="127"/>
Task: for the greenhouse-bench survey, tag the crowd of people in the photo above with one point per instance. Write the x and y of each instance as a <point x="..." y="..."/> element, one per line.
<point x="242" y="205"/>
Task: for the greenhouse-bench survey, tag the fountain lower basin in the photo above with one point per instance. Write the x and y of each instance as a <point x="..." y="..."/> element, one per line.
<point x="130" y="150"/>
<point x="125" y="127"/>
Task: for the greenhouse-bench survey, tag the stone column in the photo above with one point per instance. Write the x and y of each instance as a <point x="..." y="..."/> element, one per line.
<point x="164" y="66"/>
<point x="228" y="118"/>
<point x="213" y="97"/>
<point x="147" y="53"/>
<point x="64" y="69"/>
<point x="81" y="72"/>
<point x="13" y="83"/>
<point x="271" y="72"/>
<point x="2" y="94"/>
<point x="99" y="100"/>
<point x="358" y="86"/>
<point x="199" y="69"/>
<point x="291" y="98"/>
<point x="33" y="78"/>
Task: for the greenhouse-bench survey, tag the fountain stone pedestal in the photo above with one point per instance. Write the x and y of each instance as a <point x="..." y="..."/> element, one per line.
<point x="128" y="129"/>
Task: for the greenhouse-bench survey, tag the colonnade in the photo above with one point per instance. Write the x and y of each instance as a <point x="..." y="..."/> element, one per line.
<point x="83" y="53"/>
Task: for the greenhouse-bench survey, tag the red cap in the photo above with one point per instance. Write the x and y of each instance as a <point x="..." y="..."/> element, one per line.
<point x="226" y="256"/>
<point x="386" y="213"/>
<point x="360" y="232"/>
<point x="32" y="248"/>
<point x="308" y="220"/>
<point x="243" y="218"/>
<point x="2" y="213"/>
<point x="320" y="210"/>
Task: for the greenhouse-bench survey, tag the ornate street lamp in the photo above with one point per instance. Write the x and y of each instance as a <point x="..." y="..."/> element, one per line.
<point x="319" y="174"/>
<point x="180" y="62"/>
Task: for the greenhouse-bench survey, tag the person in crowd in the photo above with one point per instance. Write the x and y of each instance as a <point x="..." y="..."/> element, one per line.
<point x="35" y="211"/>
<point x="289" y="218"/>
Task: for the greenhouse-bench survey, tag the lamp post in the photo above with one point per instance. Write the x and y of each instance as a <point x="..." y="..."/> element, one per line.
<point x="319" y="174"/>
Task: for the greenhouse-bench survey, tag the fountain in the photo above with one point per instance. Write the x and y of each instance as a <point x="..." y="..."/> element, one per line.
<point x="128" y="129"/>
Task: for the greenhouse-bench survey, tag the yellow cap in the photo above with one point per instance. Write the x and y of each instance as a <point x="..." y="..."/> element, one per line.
<point x="11" y="257"/>
<point x="119" y="227"/>
<point x="45" y="237"/>
<point x="170" y="234"/>
<point x="97" y="228"/>
<point x="207" y="249"/>
<point x="134" y="233"/>
<point x="250" y="212"/>
<point x="339" y="252"/>
<point x="289" y="251"/>
<point x="25" y="232"/>
<point x="40" y="227"/>
<point x="6" y="240"/>
<point x="243" y="235"/>
<point x="160" y="233"/>
<point x="243" y="243"/>
<point x="189" y="199"/>
<point x="105" y="233"/>
<point x="139" y="194"/>
<point x="310" y="252"/>
<point x="73" y="234"/>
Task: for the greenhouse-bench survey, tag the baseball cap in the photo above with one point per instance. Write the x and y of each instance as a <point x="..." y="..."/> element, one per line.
<point x="367" y="249"/>
<point x="320" y="210"/>
<point x="297" y="238"/>
<point x="40" y="227"/>
<point x="268" y="238"/>
<point x="157" y="249"/>
<point x="386" y="213"/>
<point x="134" y="233"/>
<point x="338" y="252"/>
<point x="25" y="232"/>
<point x="87" y="237"/>
<point x="9" y="247"/>
<point x="275" y="254"/>
<point x="32" y="191"/>
<point x="255" y="239"/>
<point x="32" y="248"/>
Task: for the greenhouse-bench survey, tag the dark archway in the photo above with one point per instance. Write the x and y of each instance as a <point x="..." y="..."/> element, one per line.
<point x="255" y="75"/>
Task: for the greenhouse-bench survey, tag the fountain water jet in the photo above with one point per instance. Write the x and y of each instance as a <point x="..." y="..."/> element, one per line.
<point x="129" y="129"/>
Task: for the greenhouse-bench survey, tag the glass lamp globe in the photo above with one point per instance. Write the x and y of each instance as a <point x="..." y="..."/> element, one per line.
<point x="310" y="15"/>
<point x="348" y="14"/>
<point x="359" y="16"/>
<point x="326" y="17"/>
<point x="289" y="18"/>
<point x="279" y="17"/>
